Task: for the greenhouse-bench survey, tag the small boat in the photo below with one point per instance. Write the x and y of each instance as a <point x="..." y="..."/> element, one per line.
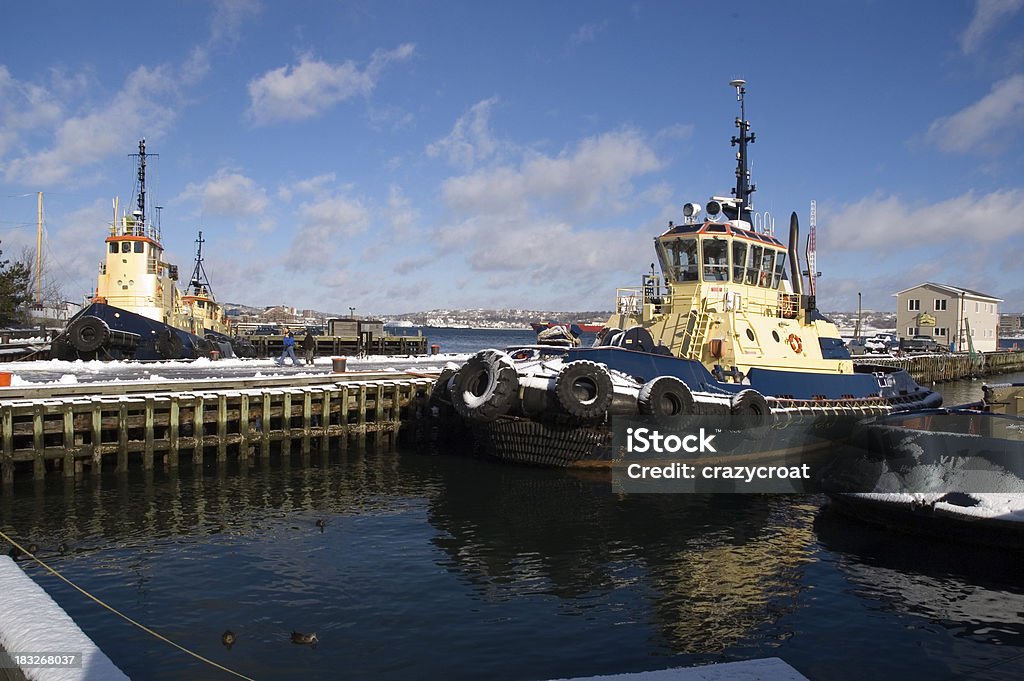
<point x="137" y="310"/>
<point x="955" y="473"/>
<point x="722" y="331"/>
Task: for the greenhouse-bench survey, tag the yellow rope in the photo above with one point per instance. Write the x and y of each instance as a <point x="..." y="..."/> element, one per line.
<point x="121" y="614"/>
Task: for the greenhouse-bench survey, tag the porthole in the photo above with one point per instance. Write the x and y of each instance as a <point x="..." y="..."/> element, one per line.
<point x="750" y="334"/>
<point x="775" y="335"/>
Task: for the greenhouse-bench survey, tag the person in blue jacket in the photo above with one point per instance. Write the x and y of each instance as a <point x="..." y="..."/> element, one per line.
<point x="289" y="349"/>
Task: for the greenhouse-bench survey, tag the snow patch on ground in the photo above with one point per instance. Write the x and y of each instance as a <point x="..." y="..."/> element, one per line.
<point x="32" y="622"/>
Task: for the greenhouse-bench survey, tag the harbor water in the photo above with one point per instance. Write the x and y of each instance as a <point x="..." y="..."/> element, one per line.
<point x="435" y="565"/>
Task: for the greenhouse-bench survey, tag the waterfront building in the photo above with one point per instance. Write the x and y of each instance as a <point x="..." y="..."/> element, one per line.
<point x="948" y="314"/>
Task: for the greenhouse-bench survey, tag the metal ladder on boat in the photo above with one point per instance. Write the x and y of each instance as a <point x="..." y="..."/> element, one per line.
<point x="696" y="329"/>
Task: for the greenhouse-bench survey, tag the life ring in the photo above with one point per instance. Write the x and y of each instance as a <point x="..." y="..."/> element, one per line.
<point x="485" y="387"/>
<point x="584" y="389"/>
<point x="665" y="396"/>
<point x="796" y="343"/>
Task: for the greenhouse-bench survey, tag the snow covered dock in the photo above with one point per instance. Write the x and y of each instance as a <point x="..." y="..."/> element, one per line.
<point x="769" y="669"/>
<point x="32" y="622"/>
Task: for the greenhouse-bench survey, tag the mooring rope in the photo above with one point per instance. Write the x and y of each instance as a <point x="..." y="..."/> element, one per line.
<point x="121" y="614"/>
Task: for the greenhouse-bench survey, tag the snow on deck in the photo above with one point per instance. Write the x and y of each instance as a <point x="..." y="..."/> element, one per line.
<point x="32" y="622"/>
<point x="40" y="373"/>
<point x="769" y="669"/>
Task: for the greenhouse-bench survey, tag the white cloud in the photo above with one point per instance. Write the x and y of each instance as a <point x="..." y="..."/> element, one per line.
<point x="889" y="224"/>
<point x="597" y="173"/>
<point x="308" y="89"/>
<point x="143" y="106"/>
<point x="312" y="185"/>
<point x="325" y="225"/>
<point x="227" y="193"/>
<point x="978" y="125"/>
<point x="988" y="14"/>
<point x="587" y="33"/>
<point x="470" y="139"/>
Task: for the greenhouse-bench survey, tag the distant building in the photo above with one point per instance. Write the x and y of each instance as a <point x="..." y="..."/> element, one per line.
<point x="1011" y="324"/>
<point x="948" y="314"/>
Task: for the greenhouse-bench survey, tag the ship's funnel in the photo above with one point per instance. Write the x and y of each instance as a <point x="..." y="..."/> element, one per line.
<point x="794" y="255"/>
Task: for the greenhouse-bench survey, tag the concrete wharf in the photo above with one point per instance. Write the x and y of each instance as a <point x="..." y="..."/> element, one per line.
<point x="69" y="429"/>
<point x="937" y="368"/>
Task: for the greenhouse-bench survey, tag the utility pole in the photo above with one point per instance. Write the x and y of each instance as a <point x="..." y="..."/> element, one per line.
<point x="39" y="252"/>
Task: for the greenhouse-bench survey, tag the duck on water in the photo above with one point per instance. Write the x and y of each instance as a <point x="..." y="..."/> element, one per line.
<point x="137" y="310"/>
<point x="722" y="330"/>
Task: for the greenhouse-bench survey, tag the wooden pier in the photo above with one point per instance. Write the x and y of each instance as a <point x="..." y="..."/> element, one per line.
<point x="74" y="428"/>
<point x="327" y="346"/>
<point x="927" y="369"/>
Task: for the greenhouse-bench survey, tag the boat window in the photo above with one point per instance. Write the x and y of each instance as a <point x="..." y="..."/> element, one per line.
<point x="113" y="247"/>
<point x="739" y="260"/>
<point x="767" y="268"/>
<point x="716" y="228"/>
<point x="126" y="246"/>
<point x="780" y="268"/>
<point x="716" y="259"/>
<point x="754" y="264"/>
<point x="140" y="246"/>
<point x="681" y="255"/>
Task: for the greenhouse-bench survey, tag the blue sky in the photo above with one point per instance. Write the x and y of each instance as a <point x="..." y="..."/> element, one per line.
<point x="402" y="156"/>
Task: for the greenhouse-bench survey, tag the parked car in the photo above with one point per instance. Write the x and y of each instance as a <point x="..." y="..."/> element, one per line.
<point x="922" y="344"/>
<point x="882" y="342"/>
<point x="265" y="330"/>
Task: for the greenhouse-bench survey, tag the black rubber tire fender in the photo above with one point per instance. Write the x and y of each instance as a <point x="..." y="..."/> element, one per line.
<point x="441" y="393"/>
<point x="665" y="396"/>
<point x="584" y="389"/>
<point x="169" y="345"/>
<point x="753" y="411"/>
<point x="485" y="387"/>
<point x="89" y="334"/>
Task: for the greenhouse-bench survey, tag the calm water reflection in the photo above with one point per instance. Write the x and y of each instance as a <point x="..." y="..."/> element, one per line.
<point x="447" y="567"/>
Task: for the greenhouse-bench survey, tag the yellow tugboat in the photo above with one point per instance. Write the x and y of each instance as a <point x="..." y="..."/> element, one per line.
<point x="724" y="329"/>
<point x="137" y="310"/>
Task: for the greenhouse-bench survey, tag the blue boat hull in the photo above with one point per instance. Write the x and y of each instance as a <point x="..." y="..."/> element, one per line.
<point x="105" y="332"/>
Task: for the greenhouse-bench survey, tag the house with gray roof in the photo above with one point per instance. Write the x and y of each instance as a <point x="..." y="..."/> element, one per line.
<point x="949" y="314"/>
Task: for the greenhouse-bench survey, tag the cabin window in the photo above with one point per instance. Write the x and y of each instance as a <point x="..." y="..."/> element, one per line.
<point x="780" y="268"/>
<point x="140" y="246"/>
<point x="682" y="259"/>
<point x="767" y="268"/>
<point x="739" y="260"/>
<point x="113" y="247"/>
<point x="716" y="260"/>
<point x="126" y="246"/>
<point x="754" y="264"/>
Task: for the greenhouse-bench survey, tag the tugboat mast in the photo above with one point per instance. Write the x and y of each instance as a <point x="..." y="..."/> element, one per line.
<point x="743" y="188"/>
<point x="141" y="210"/>
<point x="199" y="281"/>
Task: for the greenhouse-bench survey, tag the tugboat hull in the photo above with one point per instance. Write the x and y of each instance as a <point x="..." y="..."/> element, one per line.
<point x="102" y="331"/>
<point x="554" y="406"/>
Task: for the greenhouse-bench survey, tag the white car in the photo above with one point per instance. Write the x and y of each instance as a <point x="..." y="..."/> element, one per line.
<point x="881" y="343"/>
